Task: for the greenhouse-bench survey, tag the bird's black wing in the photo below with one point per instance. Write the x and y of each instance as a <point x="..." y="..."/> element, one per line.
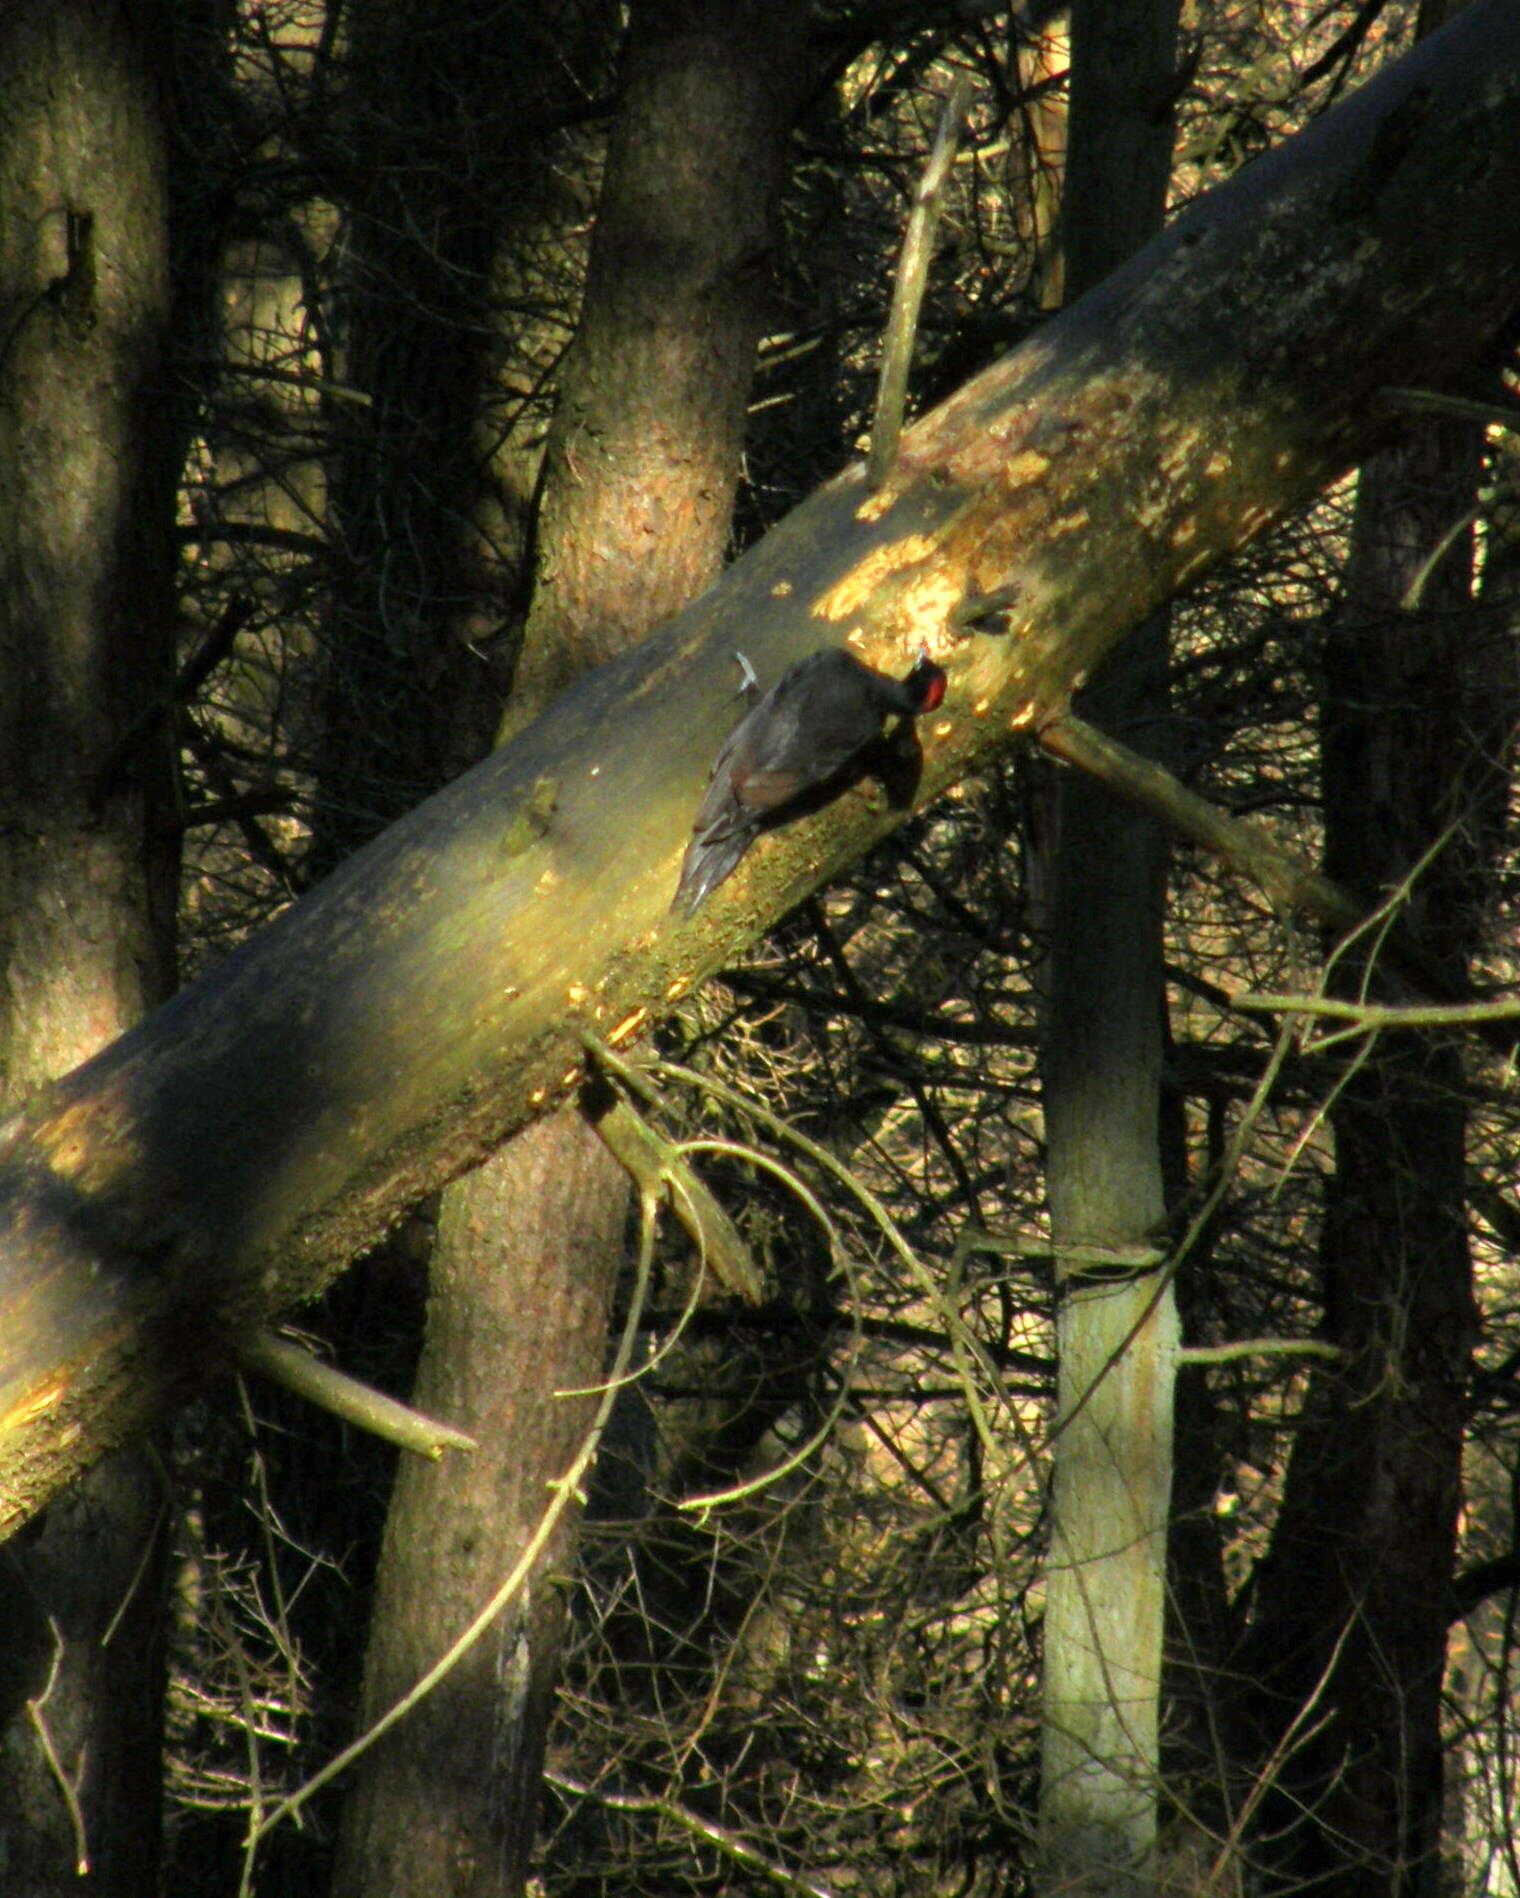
<point x="722" y="831"/>
<point x="809" y="727"/>
<point x="720" y="810"/>
<point x="816" y="718"/>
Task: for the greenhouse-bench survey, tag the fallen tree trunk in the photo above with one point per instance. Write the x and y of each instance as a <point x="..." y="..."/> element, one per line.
<point x="227" y="1157"/>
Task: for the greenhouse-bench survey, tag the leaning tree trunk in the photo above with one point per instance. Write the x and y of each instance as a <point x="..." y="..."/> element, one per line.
<point x="642" y="467"/>
<point x="86" y="882"/>
<point x="1116" y="1324"/>
<point x="431" y="997"/>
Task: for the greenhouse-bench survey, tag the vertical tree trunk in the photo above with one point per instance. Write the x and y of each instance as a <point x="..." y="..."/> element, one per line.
<point x="1116" y="1325"/>
<point x="86" y="882"/>
<point x="1363" y="1552"/>
<point x="642" y="466"/>
<point x="1352" y="1604"/>
<point x="407" y="699"/>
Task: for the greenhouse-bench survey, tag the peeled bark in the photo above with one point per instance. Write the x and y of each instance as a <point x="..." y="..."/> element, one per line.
<point x="231" y="1154"/>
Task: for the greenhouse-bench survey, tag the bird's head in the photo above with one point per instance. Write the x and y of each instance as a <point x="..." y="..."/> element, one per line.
<point x="925" y="683"/>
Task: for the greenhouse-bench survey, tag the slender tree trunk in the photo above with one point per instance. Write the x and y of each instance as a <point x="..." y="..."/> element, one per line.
<point x="1041" y="38"/>
<point x="1116" y="1325"/>
<point x="638" y="489"/>
<point x="408" y="700"/>
<point x="86" y="881"/>
<point x="1352" y="1604"/>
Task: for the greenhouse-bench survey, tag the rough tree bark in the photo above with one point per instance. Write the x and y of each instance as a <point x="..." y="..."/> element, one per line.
<point x="1116" y="1320"/>
<point x="642" y="465"/>
<point x="1353" y="1601"/>
<point x="86" y="877"/>
<point x="427" y="999"/>
<point x="1352" y="1604"/>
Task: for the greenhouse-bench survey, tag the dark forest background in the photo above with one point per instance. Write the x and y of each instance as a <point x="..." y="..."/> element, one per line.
<point x="368" y="371"/>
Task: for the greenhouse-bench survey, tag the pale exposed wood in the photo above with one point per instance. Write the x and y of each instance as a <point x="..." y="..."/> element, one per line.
<point x="908" y="294"/>
<point x="301" y="1371"/>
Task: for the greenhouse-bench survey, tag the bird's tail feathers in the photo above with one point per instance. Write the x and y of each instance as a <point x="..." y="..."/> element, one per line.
<point x="709" y="860"/>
